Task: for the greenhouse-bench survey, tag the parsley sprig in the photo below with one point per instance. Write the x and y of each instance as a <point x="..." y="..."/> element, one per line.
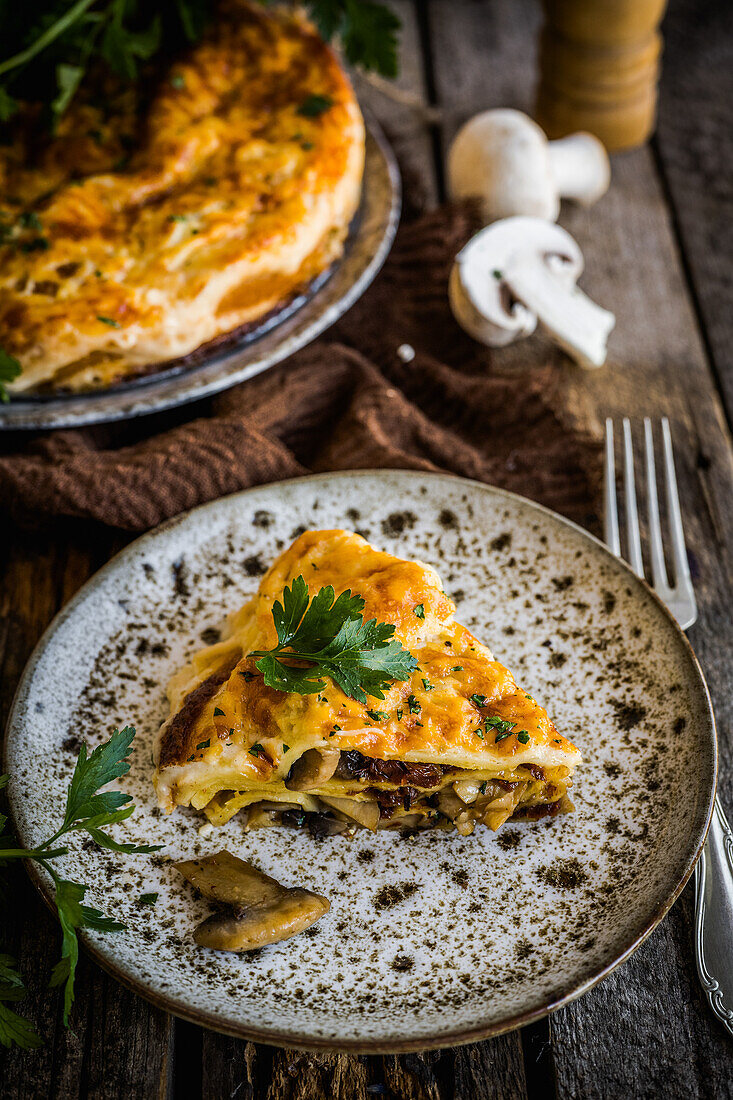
<point x="328" y="637"/>
<point x="47" y="52"/>
<point x="91" y="810"/>
<point x="15" y="1030"/>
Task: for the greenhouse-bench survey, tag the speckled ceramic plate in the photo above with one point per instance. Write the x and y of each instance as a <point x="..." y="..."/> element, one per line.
<point x="282" y="334"/>
<point x="432" y="940"/>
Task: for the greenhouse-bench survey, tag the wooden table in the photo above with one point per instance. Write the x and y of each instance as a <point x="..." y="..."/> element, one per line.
<point x="659" y="252"/>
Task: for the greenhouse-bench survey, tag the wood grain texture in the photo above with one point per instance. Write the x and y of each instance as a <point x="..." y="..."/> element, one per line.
<point x="694" y="144"/>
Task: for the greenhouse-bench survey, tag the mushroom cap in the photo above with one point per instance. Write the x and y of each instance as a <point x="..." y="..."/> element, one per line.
<point x="501" y="158"/>
<point x="291" y="913"/>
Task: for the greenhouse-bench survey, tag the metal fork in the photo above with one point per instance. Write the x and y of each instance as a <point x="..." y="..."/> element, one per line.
<point x="714" y="871"/>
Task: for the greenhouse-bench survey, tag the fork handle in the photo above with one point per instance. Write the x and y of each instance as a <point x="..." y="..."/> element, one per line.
<point x="714" y="917"/>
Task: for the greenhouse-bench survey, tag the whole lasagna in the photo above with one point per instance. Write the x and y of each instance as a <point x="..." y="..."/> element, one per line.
<point x="163" y="216"/>
<point x="448" y="738"/>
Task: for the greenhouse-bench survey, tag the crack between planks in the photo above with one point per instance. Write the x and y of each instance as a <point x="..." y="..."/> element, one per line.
<point x="689" y="277"/>
<point x="422" y="18"/>
<point x="539" y="1061"/>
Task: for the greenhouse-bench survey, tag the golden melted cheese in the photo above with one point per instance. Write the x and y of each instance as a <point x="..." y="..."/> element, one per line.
<point x="157" y="227"/>
<point x="229" y="731"/>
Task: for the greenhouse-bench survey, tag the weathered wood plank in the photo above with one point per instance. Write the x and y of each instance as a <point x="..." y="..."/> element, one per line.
<point x="493" y="1070"/>
<point x="297" y="1075"/>
<point x="119" y="1046"/>
<point x="695" y="149"/>
<point x="232" y="1068"/>
<point x="656" y="365"/>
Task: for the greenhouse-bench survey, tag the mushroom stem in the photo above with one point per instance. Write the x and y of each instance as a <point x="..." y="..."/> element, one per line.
<point x="576" y="323"/>
<point x="580" y="167"/>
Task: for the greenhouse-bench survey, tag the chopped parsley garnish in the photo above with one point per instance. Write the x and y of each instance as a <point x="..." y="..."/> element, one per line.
<point x="38" y="244"/>
<point x="427" y="685"/>
<point x="108" y="321"/>
<point x="413" y="704"/>
<point x="419" y="610"/>
<point x="218" y="712"/>
<point x="501" y="725"/>
<point x="500" y="737"/>
<point x="10" y="368"/>
<point x="257" y="750"/>
<point x="457" y="668"/>
<point x="286" y="748"/>
<point x="203" y="744"/>
<point x="306" y="146"/>
<point x="399" y="712"/>
<point x="314" y="105"/>
<point x="178" y="81"/>
<point x="178" y="217"/>
<point x="30" y="220"/>
<point x="479" y="733"/>
<point x="329" y="636"/>
<point x="482" y="787"/>
<point x="147" y="899"/>
<point x="247" y="676"/>
<point x="523" y="737"/>
<point x="496" y="273"/>
<point x="479" y="700"/>
<point x="378" y="715"/>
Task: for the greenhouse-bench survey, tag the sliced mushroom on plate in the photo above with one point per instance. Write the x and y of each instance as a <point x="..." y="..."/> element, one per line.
<point x="260" y="910"/>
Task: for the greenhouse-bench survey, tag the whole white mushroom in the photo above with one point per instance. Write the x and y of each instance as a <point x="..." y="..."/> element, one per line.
<point x="503" y="159"/>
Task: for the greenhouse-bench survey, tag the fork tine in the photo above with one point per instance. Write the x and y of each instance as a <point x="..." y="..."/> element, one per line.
<point x="632" y="514"/>
<point x="679" y="552"/>
<point x="610" y="508"/>
<point x="656" y="549"/>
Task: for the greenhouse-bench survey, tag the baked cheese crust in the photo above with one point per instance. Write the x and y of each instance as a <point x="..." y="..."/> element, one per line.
<point x="459" y="742"/>
<point x="140" y="232"/>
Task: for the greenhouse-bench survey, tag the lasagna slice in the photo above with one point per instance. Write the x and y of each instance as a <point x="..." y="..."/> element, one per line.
<point x="456" y="743"/>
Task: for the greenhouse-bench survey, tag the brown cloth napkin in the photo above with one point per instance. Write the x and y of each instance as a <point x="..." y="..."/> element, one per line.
<point x="348" y="401"/>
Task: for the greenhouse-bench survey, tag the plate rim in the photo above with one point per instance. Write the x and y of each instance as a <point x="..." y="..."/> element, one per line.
<point x="290" y="1040"/>
<point x="87" y="410"/>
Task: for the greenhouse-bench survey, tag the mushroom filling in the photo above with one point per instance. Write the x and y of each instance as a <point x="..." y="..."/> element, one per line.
<point x="331" y="793"/>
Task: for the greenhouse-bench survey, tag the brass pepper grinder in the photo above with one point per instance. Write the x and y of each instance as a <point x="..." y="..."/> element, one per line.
<point x="599" y="66"/>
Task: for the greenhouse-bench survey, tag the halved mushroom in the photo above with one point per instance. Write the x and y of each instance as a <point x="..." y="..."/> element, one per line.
<point x="521" y="270"/>
<point x="314" y="768"/>
<point x="261" y="910"/>
<point x="365" y="813"/>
